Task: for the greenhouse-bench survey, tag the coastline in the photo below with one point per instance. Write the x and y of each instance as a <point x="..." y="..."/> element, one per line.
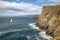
<point x="42" y="33"/>
<point x="49" y="20"/>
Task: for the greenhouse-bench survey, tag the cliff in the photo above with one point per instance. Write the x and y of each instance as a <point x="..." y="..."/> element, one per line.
<point x="49" y="20"/>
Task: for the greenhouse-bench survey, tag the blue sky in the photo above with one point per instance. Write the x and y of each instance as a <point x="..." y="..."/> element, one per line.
<point x="24" y="7"/>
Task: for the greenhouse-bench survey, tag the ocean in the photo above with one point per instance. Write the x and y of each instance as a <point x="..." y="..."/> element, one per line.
<point x="20" y="28"/>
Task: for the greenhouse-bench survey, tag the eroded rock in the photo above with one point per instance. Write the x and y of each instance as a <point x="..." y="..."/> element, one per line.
<point x="49" y="20"/>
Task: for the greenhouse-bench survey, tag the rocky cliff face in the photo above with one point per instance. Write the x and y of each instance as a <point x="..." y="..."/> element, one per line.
<point x="49" y="20"/>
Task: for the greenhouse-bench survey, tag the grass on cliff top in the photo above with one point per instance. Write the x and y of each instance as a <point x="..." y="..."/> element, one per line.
<point x="57" y="5"/>
<point x="54" y="6"/>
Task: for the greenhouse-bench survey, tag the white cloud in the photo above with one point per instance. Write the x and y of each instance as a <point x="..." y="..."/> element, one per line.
<point x="49" y="0"/>
<point x="22" y="8"/>
<point x="55" y="0"/>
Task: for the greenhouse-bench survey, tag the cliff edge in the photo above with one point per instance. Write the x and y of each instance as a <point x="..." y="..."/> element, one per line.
<point x="49" y="20"/>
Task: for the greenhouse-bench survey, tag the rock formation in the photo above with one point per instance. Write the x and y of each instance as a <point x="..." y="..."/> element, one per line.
<point x="49" y="20"/>
<point x="36" y="16"/>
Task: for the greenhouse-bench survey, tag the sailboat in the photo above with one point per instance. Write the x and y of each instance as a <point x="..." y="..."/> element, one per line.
<point x="11" y="20"/>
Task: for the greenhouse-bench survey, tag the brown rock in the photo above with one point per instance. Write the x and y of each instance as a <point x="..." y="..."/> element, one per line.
<point x="56" y="38"/>
<point x="45" y="16"/>
<point x="54" y="25"/>
<point x="49" y="20"/>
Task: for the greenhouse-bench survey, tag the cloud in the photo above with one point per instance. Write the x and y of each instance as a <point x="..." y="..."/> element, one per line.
<point x="51" y="4"/>
<point x="49" y="0"/>
<point x="22" y="8"/>
<point x="55" y="0"/>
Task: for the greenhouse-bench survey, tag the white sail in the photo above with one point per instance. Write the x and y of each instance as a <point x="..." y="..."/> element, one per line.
<point x="10" y="20"/>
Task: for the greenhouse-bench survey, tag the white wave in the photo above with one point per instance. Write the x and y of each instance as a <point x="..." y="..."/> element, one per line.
<point x="28" y="37"/>
<point x="12" y="31"/>
<point x="33" y="26"/>
<point x="43" y="34"/>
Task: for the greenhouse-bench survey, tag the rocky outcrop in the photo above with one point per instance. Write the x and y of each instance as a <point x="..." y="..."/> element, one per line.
<point x="36" y="16"/>
<point x="49" y="20"/>
<point x="45" y="17"/>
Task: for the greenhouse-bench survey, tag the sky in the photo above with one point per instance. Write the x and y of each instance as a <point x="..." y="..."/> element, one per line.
<point x="24" y="7"/>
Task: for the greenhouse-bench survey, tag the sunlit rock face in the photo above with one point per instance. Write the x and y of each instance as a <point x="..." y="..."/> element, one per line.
<point x="56" y="38"/>
<point x="54" y="25"/>
<point x="49" y="20"/>
<point x="47" y="13"/>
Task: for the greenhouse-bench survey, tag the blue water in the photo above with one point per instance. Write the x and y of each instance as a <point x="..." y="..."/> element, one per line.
<point x="18" y="29"/>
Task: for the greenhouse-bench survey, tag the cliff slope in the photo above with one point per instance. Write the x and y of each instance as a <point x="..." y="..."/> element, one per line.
<point x="49" y="20"/>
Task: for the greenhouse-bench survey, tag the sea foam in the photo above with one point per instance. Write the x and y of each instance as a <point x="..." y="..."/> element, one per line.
<point x="42" y="33"/>
<point x="33" y="26"/>
<point x="12" y="31"/>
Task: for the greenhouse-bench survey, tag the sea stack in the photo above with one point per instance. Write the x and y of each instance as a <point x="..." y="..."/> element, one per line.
<point x="49" y="20"/>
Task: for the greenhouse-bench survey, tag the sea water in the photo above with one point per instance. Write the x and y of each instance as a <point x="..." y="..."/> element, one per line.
<point x="21" y="28"/>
